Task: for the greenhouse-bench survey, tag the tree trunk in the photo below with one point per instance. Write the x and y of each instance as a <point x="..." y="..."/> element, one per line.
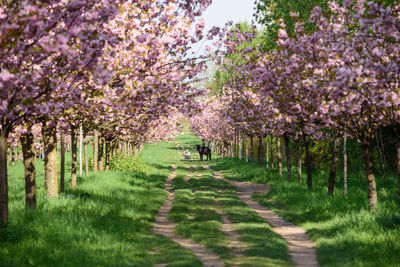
<point x="335" y="158"/>
<point x="251" y="149"/>
<point x="272" y="151"/>
<point x="372" y="194"/>
<point x="3" y="177"/>
<point x="12" y="155"/>
<point x="74" y="148"/>
<point x="95" y="150"/>
<point x="129" y="149"/>
<point x="279" y="154"/>
<point x="380" y="151"/>
<point x="300" y="152"/>
<point x="398" y="162"/>
<point x="308" y="162"/>
<point x="288" y="164"/>
<point x="62" y="170"/>
<point x="108" y="154"/>
<point x="383" y="149"/>
<point x="267" y="153"/>
<point x="17" y="155"/>
<point x="86" y="158"/>
<point x="49" y="134"/>
<point x="29" y="169"/>
<point x="80" y="151"/>
<point x="240" y="146"/>
<point x="260" y="151"/>
<point x="101" y="154"/>
<point x="246" y="150"/>
<point x="345" y="164"/>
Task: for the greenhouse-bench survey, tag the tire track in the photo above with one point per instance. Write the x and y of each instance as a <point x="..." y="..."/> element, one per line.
<point x="165" y="227"/>
<point x="301" y="248"/>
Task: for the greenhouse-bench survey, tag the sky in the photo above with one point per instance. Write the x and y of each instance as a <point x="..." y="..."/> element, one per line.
<point x="222" y="11"/>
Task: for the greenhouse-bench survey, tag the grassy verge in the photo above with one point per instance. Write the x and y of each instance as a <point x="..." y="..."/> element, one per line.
<point x="107" y="222"/>
<point x="346" y="233"/>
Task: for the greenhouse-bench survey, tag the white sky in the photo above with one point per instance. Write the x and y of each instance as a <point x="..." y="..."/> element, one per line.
<point x="222" y="11"/>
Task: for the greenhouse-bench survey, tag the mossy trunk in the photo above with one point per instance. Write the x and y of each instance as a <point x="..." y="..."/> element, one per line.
<point x="3" y="177"/>
<point x="288" y="164"/>
<point x="28" y="153"/>
<point x="335" y="159"/>
<point x="279" y="154"/>
<point x="372" y="194"/>
<point x="49" y="134"/>
<point x="74" y="154"/>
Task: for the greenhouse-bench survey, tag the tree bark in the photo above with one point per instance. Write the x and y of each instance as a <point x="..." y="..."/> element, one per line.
<point x="272" y="151"/>
<point x="80" y="151"/>
<point x="3" y="177"/>
<point x="267" y="153"/>
<point x="62" y="170"/>
<point x="95" y="150"/>
<point x="251" y="149"/>
<point x="101" y="154"/>
<point x="288" y="164"/>
<point x="383" y="149"/>
<point x="74" y="148"/>
<point x="49" y="134"/>
<point x="29" y="169"/>
<point x="299" y="162"/>
<point x="380" y="151"/>
<point x="260" y="151"/>
<point x="398" y="162"/>
<point x="279" y="154"/>
<point x="335" y="158"/>
<point x="308" y="162"/>
<point x="108" y="154"/>
<point x="86" y="158"/>
<point x="12" y="155"/>
<point x="345" y="164"/>
<point x="372" y="194"/>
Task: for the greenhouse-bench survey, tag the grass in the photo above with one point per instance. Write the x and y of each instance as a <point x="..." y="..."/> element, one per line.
<point x="346" y="233"/>
<point x="195" y="212"/>
<point x="108" y="223"/>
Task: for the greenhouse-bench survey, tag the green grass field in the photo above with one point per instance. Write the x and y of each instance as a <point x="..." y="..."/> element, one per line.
<point x="108" y="222"/>
<point x="346" y="233"/>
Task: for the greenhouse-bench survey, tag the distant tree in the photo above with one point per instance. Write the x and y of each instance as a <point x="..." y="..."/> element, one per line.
<point x="268" y="13"/>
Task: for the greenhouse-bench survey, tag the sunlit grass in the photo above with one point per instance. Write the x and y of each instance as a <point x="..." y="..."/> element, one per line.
<point x="346" y="233"/>
<point x="107" y="221"/>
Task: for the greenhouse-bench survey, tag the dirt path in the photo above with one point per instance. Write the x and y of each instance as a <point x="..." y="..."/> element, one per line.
<point x="301" y="248"/>
<point x="165" y="227"/>
<point x="227" y="227"/>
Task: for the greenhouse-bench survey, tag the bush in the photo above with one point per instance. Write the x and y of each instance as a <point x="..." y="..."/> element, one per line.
<point x="122" y="162"/>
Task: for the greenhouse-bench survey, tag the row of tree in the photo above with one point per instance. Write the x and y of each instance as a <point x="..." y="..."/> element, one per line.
<point x="121" y="70"/>
<point x="339" y="77"/>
